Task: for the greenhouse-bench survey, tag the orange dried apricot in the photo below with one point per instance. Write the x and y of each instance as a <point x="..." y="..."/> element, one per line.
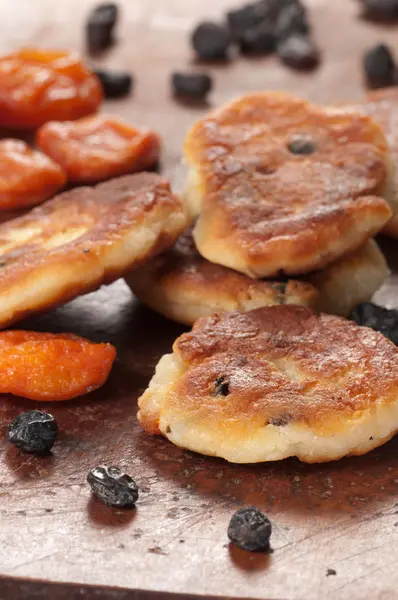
<point x="99" y="147"/>
<point x="52" y="367"/>
<point x="27" y="177"/>
<point x="37" y="86"/>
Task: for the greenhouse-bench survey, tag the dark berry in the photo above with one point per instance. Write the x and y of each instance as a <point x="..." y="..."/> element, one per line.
<point x="191" y="85"/>
<point x="260" y="39"/>
<point x="115" y="84"/>
<point x="100" y="25"/>
<point x="221" y="387"/>
<point x="250" y="530"/>
<point x="379" y="318"/>
<point x="33" y="431"/>
<point x="292" y="20"/>
<point x="301" y="144"/>
<point x="379" y="65"/>
<point x="251" y="15"/>
<point x="384" y="10"/>
<point x="211" y="41"/>
<point x="298" y="52"/>
<point x="113" y="487"/>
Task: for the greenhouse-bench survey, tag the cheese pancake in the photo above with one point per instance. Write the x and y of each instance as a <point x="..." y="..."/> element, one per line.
<point x="285" y="186"/>
<point x="382" y="106"/>
<point x="183" y="286"/>
<point x="275" y="382"/>
<point x="83" y="238"/>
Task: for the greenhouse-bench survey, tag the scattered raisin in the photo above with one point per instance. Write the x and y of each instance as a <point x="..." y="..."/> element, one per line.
<point x="301" y="144"/>
<point x="299" y="52"/>
<point x="381" y="10"/>
<point x="211" y="41"/>
<point x="195" y="86"/>
<point x="221" y="387"/>
<point x="250" y="530"/>
<point x="330" y="572"/>
<point x="379" y="318"/>
<point x="113" y="487"/>
<point x="33" y="431"/>
<point x="379" y="66"/>
<point x="100" y="25"/>
<point x="115" y="84"/>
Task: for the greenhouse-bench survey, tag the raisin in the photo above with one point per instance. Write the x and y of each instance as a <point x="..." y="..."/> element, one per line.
<point x="100" y="25"/>
<point x="33" y="431"/>
<point x="211" y="41"/>
<point x="331" y="572"/>
<point x="379" y="318"/>
<point x="301" y="144"/>
<point x="250" y="530"/>
<point x="260" y="39"/>
<point x="195" y="86"/>
<point x="221" y="387"/>
<point x="292" y="20"/>
<point x="113" y="487"/>
<point x="381" y="10"/>
<point x="42" y="85"/>
<point x="115" y="84"/>
<point x="298" y="52"/>
<point x="379" y="66"/>
<point x="252" y="15"/>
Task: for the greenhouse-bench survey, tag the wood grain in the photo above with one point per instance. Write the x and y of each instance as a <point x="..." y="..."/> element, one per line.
<point x="341" y="516"/>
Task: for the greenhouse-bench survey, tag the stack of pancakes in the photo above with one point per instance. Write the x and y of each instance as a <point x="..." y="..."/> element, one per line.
<point x="286" y="198"/>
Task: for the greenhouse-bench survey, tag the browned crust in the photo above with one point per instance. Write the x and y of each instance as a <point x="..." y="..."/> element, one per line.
<point x="265" y="209"/>
<point x="115" y="214"/>
<point x="283" y="364"/>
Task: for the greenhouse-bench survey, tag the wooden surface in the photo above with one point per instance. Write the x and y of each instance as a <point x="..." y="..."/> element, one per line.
<point x="341" y="516"/>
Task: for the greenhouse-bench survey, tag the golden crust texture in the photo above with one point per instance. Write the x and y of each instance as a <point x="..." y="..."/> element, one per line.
<point x="84" y="238"/>
<point x="275" y="382"/>
<point x="382" y="106"/>
<point x="183" y="286"/>
<point x="285" y="186"/>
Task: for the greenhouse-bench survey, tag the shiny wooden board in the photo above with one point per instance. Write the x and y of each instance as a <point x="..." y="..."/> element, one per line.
<point x="341" y="516"/>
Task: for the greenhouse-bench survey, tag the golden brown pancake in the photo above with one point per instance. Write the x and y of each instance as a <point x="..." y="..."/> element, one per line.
<point x="82" y="239"/>
<point x="382" y="106"/>
<point x="183" y="286"/>
<point x="285" y="186"/>
<point x="275" y="382"/>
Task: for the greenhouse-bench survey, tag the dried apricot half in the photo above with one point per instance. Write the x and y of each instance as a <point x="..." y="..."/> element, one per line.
<point x="37" y="86"/>
<point x="98" y="147"/>
<point x="52" y="367"/>
<point x="27" y="177"/>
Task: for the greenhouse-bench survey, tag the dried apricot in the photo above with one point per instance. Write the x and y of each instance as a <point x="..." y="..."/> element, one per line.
<point x="37" y="86"/>
<point x="98" y="148"/>
<point x="27" y="177"/>
<point x="47" y="366"/>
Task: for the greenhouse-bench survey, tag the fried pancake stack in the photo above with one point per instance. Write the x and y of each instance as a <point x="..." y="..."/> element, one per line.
<point x="279" y="188"/>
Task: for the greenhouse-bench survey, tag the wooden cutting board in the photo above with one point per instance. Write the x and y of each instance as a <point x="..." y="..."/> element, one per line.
<point x="341" y="516"/>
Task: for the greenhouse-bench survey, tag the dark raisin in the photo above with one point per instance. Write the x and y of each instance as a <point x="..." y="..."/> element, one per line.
<point x="292" y="20"/>
<point x="381" y="10"/>
<point x="250" y="530"/>
<point x="260" y="39"/>
<point x="211" y="41"/>
<point x="301" y="144"/>
<point x="379" y="318"/>
<point x="191" y="85"/>
<point x="113" y="487"/>
<point x="330" y="572"/>
<point x="33" y="431"/>
<point x="379" y="66"/>
<point x="115" y="84"/>
<point x="298" y="52"/>
<point x="221" y="387"/>
<point x="100" y="25"/>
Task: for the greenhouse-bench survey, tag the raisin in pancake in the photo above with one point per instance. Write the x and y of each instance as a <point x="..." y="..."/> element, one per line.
<point x="286" y="186"/>
<point x="275" y="382"/>
<point x="382" y="106"/>
<point x="183" y="286"/>
<point x="82" y="239"/>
